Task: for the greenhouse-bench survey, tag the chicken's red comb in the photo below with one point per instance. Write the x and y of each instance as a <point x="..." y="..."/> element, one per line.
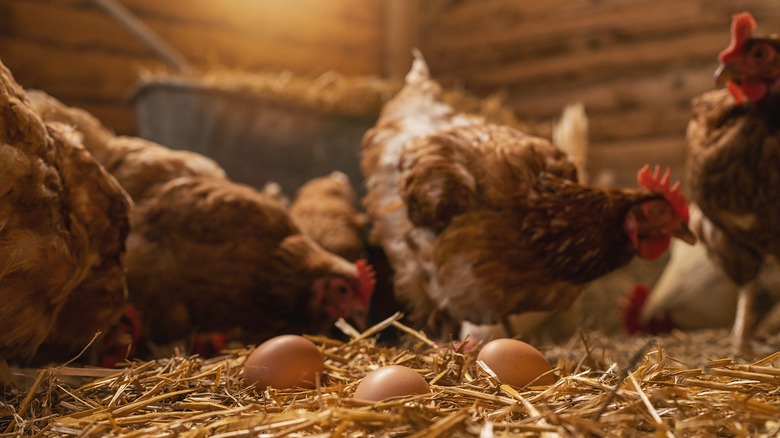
<point x="660" y="183"/>
<point x="366" y="280"/>
<point x="742" y="27"/>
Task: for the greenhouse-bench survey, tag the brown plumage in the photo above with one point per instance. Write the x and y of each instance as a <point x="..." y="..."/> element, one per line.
<point x="733" y="166"/>
<point x="63" y="221"/>
<point x="208" y="254"/>
<point x="479" y="220"/>
<point x="324" y="209"/>
<point x="732" y="171"/>
<point x="139" y="165"/>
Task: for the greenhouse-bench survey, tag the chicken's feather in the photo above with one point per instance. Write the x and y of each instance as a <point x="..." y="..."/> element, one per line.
<point x="209" y="254"/>
<point x="63" y="220"/>
<point x="734" y="154"/>
<point x="479" y="219"/>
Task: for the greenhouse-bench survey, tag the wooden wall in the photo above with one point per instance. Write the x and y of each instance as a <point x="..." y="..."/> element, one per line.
<point x="634" y="63"/>
<point x="74" y="51"/>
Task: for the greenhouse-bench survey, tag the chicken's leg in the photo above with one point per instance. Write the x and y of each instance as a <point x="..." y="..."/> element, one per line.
<point x="744" y="319"/>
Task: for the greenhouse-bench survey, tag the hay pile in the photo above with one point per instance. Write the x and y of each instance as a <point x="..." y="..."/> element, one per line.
<point x="334" y="93"/>
<point x="190" y="396"/>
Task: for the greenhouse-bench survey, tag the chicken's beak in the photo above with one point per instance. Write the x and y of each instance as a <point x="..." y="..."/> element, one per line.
<point x="685" y="234"/>
<point x="360" y="319"/>
<point x="726" y="72"/>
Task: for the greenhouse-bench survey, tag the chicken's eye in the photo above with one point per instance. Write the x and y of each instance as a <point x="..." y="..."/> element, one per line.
<point x="762" y="52"/>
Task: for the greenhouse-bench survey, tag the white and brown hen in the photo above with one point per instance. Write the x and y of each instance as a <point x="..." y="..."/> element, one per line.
<point x="479" y="220"/>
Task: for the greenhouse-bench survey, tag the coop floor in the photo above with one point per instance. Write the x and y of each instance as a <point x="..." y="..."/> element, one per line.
<point x="682" y="384"/>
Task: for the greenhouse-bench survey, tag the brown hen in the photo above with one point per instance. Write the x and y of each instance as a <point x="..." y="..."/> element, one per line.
<point x="479" y="220"/>
<point x="733" y="166"/>
<point x="208" y="254"/>
<point x="324" y="209"/>
<point x="63" y="222"/>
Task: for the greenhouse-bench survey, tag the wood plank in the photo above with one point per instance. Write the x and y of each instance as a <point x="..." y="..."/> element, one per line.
<point x="607" y="64"/>
<point x="250" y="34"/>
<point x="66" y="25"/>
<point x="671" y="90"/>
<point x="72" y="50"/>
<point x="401" y="29"/>
<point x="556" y="47"/>
<point x="468" y="25"/>
<point x="640" y="122"/>
<point x="619" y="161"/>
<point x="309" y="41"/>
<point x="613" y="20"/>
<point x="254" y="16"/>
<point x="92" y="73"/>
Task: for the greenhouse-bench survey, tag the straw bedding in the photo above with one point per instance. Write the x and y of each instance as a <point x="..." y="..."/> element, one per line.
<point x="680" y="385"/>
<point x="334" y="93"/>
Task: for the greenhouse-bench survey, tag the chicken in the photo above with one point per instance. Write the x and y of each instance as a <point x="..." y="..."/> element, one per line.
<point x="479" y="220"/>
<point x="733" y="165"/>
<point x="207" y="254"/>
<point x="216" y="258"/>
<point x="694" y="292"/>
<point x="691" y="293"/>
<point x="570" y="134"/>
<point x="324" y="209"/>
<point x="98" y="301"/>
<point x="139" y="165"/>
<point x="63" y="222"/>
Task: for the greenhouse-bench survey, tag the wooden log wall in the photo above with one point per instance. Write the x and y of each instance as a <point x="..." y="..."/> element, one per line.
<point x="77" y="53"/>
<point x="635" y="64"/>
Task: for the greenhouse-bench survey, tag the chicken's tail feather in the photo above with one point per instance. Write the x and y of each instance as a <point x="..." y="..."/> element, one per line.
<point x="419" y="72"/>
<point x="570" y="134"/>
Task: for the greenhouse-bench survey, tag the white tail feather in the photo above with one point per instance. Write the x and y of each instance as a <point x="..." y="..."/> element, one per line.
<point x="570" y="134"/>
<point x="419" y="71"/>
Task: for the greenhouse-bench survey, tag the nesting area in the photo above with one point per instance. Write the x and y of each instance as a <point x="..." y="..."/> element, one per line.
<point x="333" y="92"/>
<point x="679" y="385"/>
<point x="388" y="218"/>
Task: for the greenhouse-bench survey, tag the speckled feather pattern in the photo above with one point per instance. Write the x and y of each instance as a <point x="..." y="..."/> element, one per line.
<point x="479" y="220"/>
<point x="324" y="209"/>
<point x="62" y="225"/>
<point x="733" y="174"/>
<point x="209" y="254"/>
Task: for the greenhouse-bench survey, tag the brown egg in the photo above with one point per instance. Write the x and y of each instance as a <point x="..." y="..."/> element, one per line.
<point x="282" y="362"/>
<point x="391" y="381"/>
<point x="516" y="363"/>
